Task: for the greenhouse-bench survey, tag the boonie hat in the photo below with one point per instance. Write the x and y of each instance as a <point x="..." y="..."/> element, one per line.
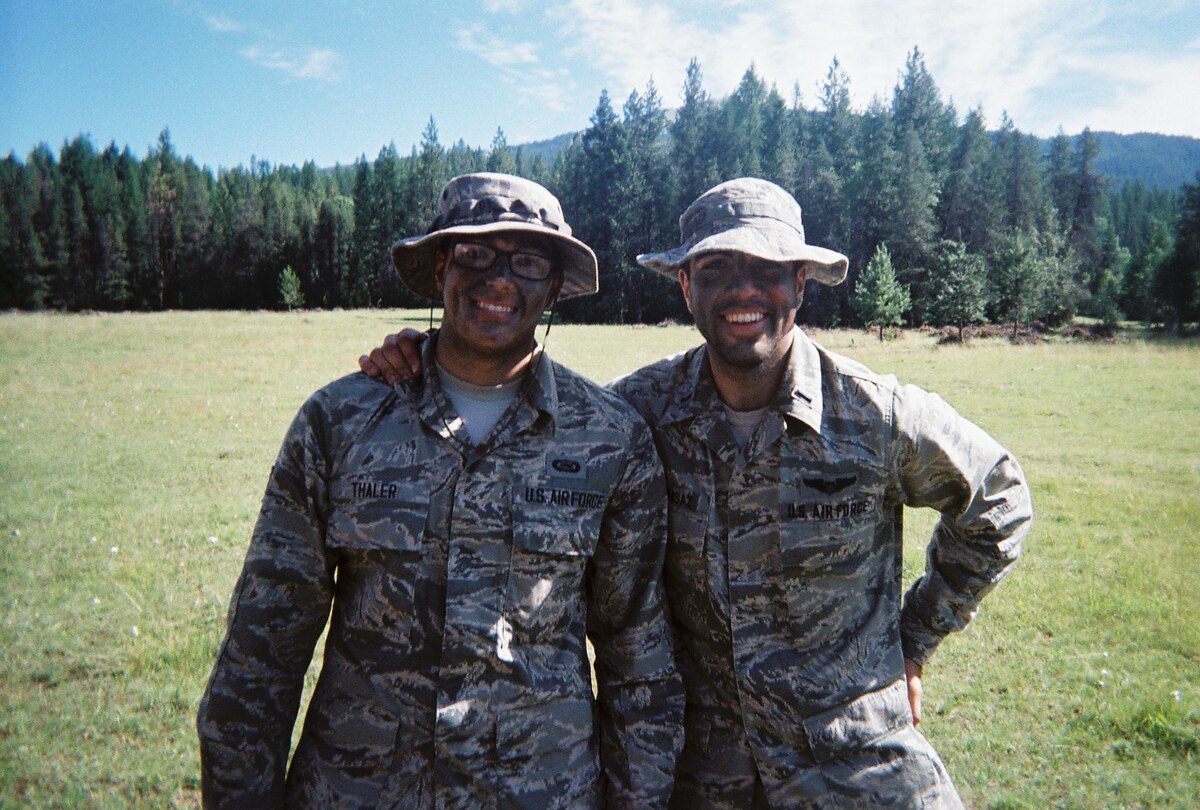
<point x="750" y="216"/>
<point x="487" y="202"/>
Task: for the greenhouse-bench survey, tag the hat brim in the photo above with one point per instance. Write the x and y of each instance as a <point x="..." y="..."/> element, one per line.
<point x="414" y="256"/>
<point x="765" y="239"/>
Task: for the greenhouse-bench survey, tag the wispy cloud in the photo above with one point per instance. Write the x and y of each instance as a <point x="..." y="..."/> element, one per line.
<point x="319" y="64"/>
<point x="518" y="66"/>
<point x="508" y="6"/>
<point x="222" y="24"/>
<point x="1011" y="56"/>
<point x="476" y="40"/>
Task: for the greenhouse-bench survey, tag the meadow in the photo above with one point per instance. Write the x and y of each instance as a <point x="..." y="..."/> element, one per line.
<point x="134" y="449"/>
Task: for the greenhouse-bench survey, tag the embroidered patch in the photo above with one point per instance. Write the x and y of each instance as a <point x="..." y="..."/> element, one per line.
<point x="830" y="485"/>
<point x="564" y="466"/>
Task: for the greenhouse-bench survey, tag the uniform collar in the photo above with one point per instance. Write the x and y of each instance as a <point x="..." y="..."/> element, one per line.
<point x="798" y="397"/>
<point x="536" y="400"/>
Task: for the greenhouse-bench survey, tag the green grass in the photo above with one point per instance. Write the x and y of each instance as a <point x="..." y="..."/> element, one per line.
<point x="1077" y="686"/>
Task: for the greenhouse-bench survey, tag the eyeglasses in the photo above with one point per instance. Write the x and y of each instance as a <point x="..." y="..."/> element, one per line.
<point x="529" y="266"/>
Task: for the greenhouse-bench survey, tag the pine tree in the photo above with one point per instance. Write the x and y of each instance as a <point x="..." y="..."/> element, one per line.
<point x="1085" y="236"/>
<point x="741" y="134"/>
<point x="1018" y="278"/>
<point x="693" y="153"/>
<point x="500" y="158"/>
<point x="1177" y="283"/>
<point x="289" y="289"/>
<point x="334" y="250"/>
<point x="597" y="171"/>
<point x="879" y="298"/>
<point x="1136" y="297"/>
<point x="917" y="105"/>
<point x="652" y="298"/>
<point x="959" y="287"/>
<point x="970" y="208"/>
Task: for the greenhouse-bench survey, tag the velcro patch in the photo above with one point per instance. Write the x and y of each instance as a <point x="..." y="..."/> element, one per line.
<point x="560" y="465"/>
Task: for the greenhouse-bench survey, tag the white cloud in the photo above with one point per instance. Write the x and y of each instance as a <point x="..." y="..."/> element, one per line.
<point x="319" y="64"/>
<point x="497" y="6"/>
<point x="479" y="42"/>
<point x="518" y="67"/>
<point x="1026" y="57"/>
<point x="222" y="24"/>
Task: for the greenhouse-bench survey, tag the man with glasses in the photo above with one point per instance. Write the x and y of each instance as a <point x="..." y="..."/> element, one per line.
<point x="788" y="469"/>
<point x="469" y="527"/>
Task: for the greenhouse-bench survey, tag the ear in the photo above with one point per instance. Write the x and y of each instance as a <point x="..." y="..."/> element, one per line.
<point x="685" y="284"/>
<point x="801" y="277"/>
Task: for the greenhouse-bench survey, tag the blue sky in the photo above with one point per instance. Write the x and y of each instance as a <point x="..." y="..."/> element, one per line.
<point x="298" y="80"/>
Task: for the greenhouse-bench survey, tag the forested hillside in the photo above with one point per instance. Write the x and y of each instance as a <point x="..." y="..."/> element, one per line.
<point x="970" y="219"/>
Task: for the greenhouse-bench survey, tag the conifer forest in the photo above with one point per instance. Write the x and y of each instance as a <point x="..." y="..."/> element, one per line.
<point x="947" y="218"/>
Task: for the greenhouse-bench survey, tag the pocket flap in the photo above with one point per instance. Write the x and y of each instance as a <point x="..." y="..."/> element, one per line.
<point x="557" y="521"/>
<point x="377" y="526"/>
<point x="856" y="724"/>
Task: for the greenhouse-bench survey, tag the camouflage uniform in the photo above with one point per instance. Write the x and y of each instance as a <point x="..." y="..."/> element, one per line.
<point x="784" y="574"/>
<point x="462" y="581"/>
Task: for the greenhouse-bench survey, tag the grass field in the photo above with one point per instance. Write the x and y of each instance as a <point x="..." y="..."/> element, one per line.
<point x="134" y="449"/>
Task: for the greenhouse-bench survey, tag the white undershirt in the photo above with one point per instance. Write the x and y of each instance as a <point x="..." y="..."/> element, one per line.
<point x="480" y="406"/>
<point x="744" y="423"/>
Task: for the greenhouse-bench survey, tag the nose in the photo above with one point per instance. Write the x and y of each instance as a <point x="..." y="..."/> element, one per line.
<point x="742" y="280"/>
<point x="501" y="268"/>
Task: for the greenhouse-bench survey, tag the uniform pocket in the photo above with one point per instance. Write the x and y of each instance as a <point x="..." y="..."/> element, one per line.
<point x="346" y="732"/>
<point x="687" y="515"/>
<point x="867" y="749"/>
<point x="377" y="525"/>
<point x="550" y="755"/>
<point x="378" y="546"/>
<point x="554" y="534"/>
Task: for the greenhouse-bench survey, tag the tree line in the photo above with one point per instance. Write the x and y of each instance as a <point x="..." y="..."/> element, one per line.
<point x="945" y="221"/>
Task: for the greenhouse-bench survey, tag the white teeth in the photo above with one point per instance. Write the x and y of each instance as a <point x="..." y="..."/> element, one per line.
<point x="496" y="308"/>
<point x="744" y="317"/>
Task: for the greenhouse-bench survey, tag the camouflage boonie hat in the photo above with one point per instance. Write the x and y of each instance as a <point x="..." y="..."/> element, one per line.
<point x="750" y="216"/>
<point x="487" y="202"/>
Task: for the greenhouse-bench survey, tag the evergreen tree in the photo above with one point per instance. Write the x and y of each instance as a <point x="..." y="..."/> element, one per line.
<point x="598" y="171"/>
<point x="1177" y="283"/>
<point x="970" y="209"/>
<point x="1060" y="177"/>
<point x="742" y="136"/>
<point x="914" y="228"/>
<point x="1084" y="230"/>
<point x="780" y="141"/>
<point x="693" y="153"/>
<point x="652" y="220"/>
<point x="22" y="262"/>
<point x="824" y="189"/>
<point x="398" y="201"/>
<point x="1024" y="193"/>
<point x="879" y="298"/>
<point x="1018" y="278"/>
<point x="959" y="287"/>
<point x="334" y="251"/>
<point x="917" y="105"/>
<point x="500" y="158"/>
<point x="1136" y="298"/>
<point x="289" y="289"/>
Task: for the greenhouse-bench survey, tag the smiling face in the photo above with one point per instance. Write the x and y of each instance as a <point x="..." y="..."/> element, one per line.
<point x="744" y="306"/>
<point x="490" y="315"/>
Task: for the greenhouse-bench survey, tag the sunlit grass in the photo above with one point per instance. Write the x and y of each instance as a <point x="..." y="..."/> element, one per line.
<point x="134" y="449"/>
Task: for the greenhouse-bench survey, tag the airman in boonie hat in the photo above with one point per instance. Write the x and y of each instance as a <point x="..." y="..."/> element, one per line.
<point x="750" y="216"/>
<point x="491" y="203"/>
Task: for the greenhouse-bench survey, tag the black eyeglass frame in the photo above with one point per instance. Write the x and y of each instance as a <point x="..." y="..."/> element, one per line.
<point x="492" y="254"/>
